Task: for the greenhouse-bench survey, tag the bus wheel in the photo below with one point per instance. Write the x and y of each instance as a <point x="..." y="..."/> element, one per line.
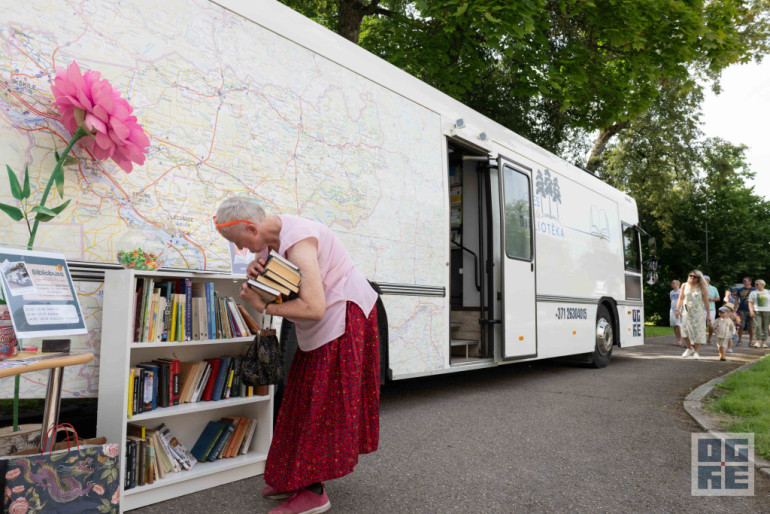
<point x="605" y="337"/>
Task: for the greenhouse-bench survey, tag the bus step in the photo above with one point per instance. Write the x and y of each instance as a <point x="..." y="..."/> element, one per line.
<point x="463" y="342"/>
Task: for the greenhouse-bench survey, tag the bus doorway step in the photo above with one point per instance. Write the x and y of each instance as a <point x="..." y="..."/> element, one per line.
<point x="467" y="343"/>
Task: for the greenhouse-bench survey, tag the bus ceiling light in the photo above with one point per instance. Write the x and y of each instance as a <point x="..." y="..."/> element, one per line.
<point x="483" y="136"/>
<point x="460" y="123"/>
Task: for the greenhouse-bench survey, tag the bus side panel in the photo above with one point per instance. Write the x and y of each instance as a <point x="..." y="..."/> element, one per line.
<point x="631" y="325"/>
<point x="418" y="332"/>
<point x="565" y="328"/>
<point x="579" y="240"/>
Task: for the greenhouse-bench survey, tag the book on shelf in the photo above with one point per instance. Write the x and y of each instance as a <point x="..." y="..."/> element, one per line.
<point x="250" y="431"/>
<point x="221" y="380"/>
<point x="229" y="428"/>
<point x="206" y="440"/>
<point x="250" y="322"/>
<point x="202" y="382"/>
<point x="216" y="364"/>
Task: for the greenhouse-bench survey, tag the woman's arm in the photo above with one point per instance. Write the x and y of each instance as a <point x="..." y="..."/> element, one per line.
<point x="751" y="304"/>
<point x="311" y="302"/>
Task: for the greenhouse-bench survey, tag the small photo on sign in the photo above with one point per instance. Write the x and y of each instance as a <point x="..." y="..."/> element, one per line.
<point x="18" y="279"/>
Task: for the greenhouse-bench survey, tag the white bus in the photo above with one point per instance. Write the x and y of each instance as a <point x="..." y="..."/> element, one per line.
<point x="487" y="249"/>
<point x="532" y="257"/>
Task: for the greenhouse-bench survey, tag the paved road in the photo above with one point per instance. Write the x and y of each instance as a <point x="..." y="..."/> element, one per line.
<point x="546" y="436"/>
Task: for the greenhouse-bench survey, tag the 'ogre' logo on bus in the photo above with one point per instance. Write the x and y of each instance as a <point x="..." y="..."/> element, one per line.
<point x="636" y="318"/>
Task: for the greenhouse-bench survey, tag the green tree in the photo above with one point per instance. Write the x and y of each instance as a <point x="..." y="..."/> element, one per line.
<point x="551" y="69"/>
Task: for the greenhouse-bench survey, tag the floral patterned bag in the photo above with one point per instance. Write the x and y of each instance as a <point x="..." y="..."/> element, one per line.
<point x="71" y="481"/>
<point x="263" y="363"/>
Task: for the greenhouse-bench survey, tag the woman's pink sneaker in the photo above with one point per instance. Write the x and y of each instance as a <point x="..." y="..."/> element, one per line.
<point x="304" y="502"/>
<point x="274" y="494"/>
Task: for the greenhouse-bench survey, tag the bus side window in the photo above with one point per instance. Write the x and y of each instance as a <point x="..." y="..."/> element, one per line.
<point x="518" y="231"/>
<point x="631" y="250"/>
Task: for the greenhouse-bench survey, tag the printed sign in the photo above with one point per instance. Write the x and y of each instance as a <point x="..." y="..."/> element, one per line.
<point x="39" y="292"/>
<point x="722" y="464"/>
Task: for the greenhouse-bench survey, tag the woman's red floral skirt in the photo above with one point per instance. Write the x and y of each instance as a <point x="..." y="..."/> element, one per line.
<point x="331" y="408"/>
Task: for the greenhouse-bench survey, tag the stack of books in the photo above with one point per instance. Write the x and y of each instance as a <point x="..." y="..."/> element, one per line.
<point x="168" y="382"/>
<point x="151" y="453"/>
<point x="226" y="438"/>
<point x="279" y="281"/>
<point x="180" y="310"/>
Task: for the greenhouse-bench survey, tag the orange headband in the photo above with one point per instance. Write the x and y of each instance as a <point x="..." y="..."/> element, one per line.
<point x="229" y="223"/>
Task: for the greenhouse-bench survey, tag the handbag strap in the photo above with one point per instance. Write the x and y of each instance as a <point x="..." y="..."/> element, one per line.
<point x="67" y="428"/>
<point x="269" y="331"/>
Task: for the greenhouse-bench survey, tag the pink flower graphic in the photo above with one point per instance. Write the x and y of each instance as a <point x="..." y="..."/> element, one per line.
<point x="98" y="489"/>
<point x="12" y="474"/>
<point x="111" y="450"/>
<point x="116" y="497"/>
<point x="19" y="506"/>
<point x="18" y="489"/>
<point x="88" y="102"/>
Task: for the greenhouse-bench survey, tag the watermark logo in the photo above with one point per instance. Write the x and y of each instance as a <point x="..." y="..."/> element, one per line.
<point x="722" y="464"/>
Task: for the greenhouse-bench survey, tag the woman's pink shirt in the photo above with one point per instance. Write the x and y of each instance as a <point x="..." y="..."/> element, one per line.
<point x="342" y="282"/>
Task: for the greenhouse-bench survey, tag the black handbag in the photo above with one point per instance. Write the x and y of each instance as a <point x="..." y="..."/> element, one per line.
<point x="263" y="363"/>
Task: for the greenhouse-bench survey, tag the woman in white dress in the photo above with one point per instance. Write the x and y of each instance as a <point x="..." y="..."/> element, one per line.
<point x="692" y="306"/>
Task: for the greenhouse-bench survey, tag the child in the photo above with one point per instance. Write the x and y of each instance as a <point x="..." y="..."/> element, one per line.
<point x="724" y="329"/>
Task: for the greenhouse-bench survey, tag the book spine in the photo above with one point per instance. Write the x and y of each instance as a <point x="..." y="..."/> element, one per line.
<point x="188" y="309"/>
<point x="129" y="461"/>
<point x="210" y="309"/>
<point x="175" y="365"/>
<point x="221" y="442"/>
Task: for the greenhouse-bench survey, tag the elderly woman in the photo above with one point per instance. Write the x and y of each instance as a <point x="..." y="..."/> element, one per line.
<point x="330" y="410"/>
<point x="692" y="306"/>
<point x="759" y="309"/>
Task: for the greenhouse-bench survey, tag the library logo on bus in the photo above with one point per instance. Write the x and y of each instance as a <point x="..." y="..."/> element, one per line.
<point x="722" y="464"/>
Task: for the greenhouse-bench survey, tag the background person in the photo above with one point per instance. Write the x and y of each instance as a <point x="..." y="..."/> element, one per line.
<point x="713" y="299"/>
<point x="759" y="309"/>
<point x="724" y="329"/>
<point x="741" y="300"/>
<point x="692" y="308"/>
<point x="674" y="320"/>
<point x="330" y="411"/>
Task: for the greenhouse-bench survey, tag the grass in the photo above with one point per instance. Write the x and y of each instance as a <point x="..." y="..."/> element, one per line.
<point x="655" y="331"/>
<point x="746" y="399"/>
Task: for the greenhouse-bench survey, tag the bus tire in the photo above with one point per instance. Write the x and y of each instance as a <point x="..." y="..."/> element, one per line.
<point x="605" y="338"/>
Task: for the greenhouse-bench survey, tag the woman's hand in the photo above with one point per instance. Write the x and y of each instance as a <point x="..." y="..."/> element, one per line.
<point x="676" y="313"/>
<point x="255" y="268"/>
<point x="251" y="297"/>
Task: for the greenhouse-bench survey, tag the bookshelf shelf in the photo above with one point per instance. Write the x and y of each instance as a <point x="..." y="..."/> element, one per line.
<point x="187" y="408"/>
<point x="120" y="352"/>
<point x="180" y="344"/>
<point x="201" y="469"/>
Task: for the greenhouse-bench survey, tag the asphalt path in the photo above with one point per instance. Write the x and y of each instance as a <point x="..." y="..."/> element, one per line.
<point x="546" y="436"/>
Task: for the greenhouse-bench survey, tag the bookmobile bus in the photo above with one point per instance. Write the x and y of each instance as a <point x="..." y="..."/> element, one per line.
<point x="536" y="258"/>
<point x="487" y="249"/>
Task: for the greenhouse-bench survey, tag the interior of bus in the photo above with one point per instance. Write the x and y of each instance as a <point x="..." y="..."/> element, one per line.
<point x="469" y="251"/>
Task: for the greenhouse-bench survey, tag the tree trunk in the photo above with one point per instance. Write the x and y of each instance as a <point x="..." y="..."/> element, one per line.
<point x="352" y="12"/>
<point x="600" y="145"/>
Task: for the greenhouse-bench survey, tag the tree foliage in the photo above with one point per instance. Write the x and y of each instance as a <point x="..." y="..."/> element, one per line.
<point x="691" y="195"/>
<point x="548" y="68"/>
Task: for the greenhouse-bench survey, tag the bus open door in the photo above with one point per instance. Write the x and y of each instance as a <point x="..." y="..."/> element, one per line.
<point x="517" y="244"/>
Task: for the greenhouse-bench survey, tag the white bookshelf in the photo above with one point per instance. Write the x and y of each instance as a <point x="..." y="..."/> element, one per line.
<point x="119" y="353"/>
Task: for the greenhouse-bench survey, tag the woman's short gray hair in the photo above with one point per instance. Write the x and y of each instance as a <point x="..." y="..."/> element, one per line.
<point x="240" y="208"/>
<point x="760" y="281"/>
